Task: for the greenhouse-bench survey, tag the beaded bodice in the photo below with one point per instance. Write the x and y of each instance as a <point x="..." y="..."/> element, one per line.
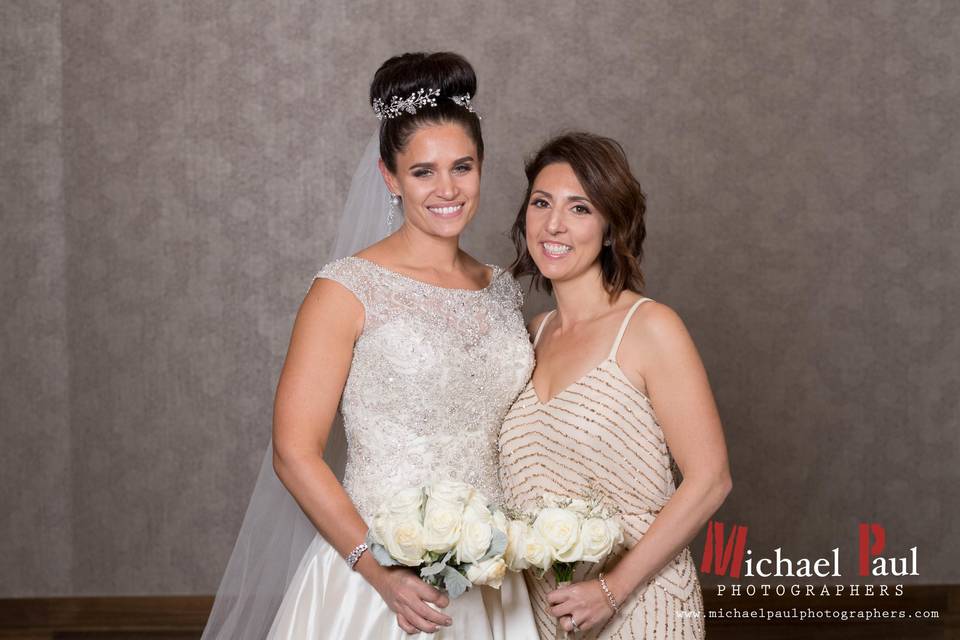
<point x="433" y="374"/>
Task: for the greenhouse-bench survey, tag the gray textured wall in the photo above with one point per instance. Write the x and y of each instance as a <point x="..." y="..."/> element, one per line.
<point x="170" y="173"/>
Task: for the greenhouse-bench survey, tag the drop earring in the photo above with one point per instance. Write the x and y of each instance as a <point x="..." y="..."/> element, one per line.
<point x="395" y="202"/>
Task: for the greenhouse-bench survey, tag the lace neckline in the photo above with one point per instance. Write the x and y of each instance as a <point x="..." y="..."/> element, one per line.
<point x="495" y="272"/>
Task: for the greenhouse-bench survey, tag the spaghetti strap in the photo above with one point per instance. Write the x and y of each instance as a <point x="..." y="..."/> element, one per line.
<point x="623" y="328"/>
<point x="543" y="323"/>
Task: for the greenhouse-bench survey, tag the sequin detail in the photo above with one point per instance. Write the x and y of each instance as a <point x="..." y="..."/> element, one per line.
<point x="433" y="374"/>
<point x="602" y="431"/>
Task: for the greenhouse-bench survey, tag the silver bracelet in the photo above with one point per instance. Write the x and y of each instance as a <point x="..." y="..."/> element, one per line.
<point x="355" y="554"/>
<point x="610" y="599"/>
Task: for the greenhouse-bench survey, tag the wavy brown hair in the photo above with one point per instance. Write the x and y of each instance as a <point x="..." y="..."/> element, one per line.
<point x="601" y="166"/>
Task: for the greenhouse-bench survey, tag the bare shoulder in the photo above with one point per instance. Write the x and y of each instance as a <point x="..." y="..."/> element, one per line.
<point x="655" y="330"/>
<point x="330" y="303"/>
<point x="536" y="321"/>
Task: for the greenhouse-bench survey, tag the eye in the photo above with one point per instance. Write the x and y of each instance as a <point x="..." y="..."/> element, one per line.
<point x="463" y="168"/>
<point x="539" y="203"/>
<point x="580" y="209"/>
<point x="421" y="173"/>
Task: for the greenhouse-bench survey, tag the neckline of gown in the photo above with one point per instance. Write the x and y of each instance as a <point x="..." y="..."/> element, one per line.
<point x="494" y="269"/>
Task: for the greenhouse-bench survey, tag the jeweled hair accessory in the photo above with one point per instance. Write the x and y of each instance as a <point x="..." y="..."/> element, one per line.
<point x="416" y="100"/>
<point x="464" y="101"/>
<point x="397" y="107"/>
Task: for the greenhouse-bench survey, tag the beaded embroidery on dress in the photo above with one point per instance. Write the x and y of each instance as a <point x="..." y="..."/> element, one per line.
<point x="433" y="374"/>
<point x="602" y="431"/>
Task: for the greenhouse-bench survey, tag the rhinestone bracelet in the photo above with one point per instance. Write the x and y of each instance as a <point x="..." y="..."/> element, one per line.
<point x="355" y="554"/>
<point x="610" y="599"/>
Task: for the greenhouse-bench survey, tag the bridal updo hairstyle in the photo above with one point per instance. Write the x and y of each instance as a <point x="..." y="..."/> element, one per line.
<point x="405" y="74"/>
<point x="601" y="166"/>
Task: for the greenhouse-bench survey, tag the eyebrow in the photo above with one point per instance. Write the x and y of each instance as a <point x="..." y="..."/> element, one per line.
<point x="569" y="198"/>
<point x="431" y="165"/>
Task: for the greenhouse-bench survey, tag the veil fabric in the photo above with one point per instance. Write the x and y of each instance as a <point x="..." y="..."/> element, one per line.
<point x="275" y="532"/>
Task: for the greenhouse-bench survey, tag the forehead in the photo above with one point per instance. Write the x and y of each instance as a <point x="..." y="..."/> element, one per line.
<point x="436" y="142"/>
<point x="559" y="179"/>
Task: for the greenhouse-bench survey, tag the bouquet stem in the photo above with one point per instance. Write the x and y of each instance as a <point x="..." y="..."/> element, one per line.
<point x="563" y="572"/>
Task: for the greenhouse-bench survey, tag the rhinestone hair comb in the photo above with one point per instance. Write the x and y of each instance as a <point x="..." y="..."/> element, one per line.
<point x="417" y="100"/>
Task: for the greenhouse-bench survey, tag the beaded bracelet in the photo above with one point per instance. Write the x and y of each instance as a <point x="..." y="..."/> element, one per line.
<point x="610" y="599"/>
<point x="355" y="554"/>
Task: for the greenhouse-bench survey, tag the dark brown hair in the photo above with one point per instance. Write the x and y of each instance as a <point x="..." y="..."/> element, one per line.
<point x="403" y="75"/>
<point x="601" y="166"/>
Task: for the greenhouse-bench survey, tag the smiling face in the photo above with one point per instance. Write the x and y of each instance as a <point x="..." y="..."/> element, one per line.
<point x="438" y="178"/>
<point x="564" y="229"/>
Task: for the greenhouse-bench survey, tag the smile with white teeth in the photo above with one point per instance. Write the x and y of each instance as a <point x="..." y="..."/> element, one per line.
<point x="556" y="249"/>
<point x="446" y="211"/>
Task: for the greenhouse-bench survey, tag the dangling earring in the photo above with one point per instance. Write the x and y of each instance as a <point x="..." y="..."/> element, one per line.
<point x="607" y="242"/>
<point x="394" y="208"/>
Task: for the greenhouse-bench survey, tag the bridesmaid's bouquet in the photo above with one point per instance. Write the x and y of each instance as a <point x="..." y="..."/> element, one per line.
<point x="447" y="530"/>
<point x="561" y="532"/>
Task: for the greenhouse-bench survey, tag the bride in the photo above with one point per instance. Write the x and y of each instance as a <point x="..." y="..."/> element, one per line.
<point x="423" y="349"/>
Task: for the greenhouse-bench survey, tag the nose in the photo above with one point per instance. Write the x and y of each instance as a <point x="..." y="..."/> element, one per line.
<point x="555" y="222"/>
<point x="446" y="186"/>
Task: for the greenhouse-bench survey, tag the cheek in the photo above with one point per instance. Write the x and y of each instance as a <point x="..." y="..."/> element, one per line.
<point x="532" y="225"/>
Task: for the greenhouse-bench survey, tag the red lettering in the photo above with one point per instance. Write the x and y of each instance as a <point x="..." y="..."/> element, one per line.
<point x="719" y="557"/>
<point x="866" y="549"/>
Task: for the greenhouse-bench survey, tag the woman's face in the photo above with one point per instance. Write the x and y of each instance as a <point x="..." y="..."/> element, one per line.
<point x="564" y="229"/>
<point x="438" y="177"/>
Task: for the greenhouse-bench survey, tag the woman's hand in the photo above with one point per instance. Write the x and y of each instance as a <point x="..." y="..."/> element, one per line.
<point x="583" y="602"/>
<point x="407" y="596"/>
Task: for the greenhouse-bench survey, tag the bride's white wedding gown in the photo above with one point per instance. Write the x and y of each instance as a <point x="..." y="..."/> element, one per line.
<point x="433" y="374"/>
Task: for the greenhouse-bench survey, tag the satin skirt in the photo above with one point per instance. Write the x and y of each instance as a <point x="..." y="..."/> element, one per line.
<point x="326" y="600"/>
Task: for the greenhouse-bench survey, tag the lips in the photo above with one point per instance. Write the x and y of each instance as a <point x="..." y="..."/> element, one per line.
<point x="446" y="210"/>
<point x="555" y="249"/>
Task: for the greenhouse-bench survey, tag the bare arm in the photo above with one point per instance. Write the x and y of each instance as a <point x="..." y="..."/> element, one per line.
<point x="677" y="385"/>
<point x="314" y="374"/>
<point x="658" y="354"/>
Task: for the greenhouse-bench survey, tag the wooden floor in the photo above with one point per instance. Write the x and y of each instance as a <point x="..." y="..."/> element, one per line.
<point x="183" y="618"/>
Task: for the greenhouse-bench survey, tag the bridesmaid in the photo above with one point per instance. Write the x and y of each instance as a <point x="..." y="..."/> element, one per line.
<point x="619" y="399"/>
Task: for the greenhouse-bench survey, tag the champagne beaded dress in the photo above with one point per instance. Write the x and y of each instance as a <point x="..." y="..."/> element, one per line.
<point x="602" y="431"/>
<point x="433" y="374"/>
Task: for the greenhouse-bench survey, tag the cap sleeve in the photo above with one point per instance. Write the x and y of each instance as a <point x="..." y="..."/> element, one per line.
<point x="349" y="273"/>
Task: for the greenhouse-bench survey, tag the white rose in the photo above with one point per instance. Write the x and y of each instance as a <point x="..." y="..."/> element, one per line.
<point x="579" y="507"/>
<point x="517" y="532"/>
<point x="451" y="492"/>
<point x="476" y="509"/>
<point x="405" y="502"/>
<point x="474" y="541"/>
<point x="560" y="529"/>
<point x="616" y="530"/>
<point x="597" y="539"/>
<point x="403" y="538"/>
<point x="536" y="551"/>
<point x="489" y="572"/>
<point x="441" y="525"/>
<point x="500" y="521"/>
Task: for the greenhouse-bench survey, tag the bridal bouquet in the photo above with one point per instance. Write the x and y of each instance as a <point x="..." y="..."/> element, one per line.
<point x="447" y="530"/>
<point x="560" y="533"/>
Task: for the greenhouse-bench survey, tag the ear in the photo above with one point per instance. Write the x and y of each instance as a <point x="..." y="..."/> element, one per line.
<point x="388" y="178"/>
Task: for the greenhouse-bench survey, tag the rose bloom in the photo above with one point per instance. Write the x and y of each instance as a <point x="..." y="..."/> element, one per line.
<point x="560" y="529"/>
<point x="517" y="532"/>
<point x="475" y="536"/>
<point x="489" y="572"/>
<point x="442" y="522"/>
<point x="536" y="551"/>
<point x="451" y="492"/>
<point x="407" y="501"/>
<point x="597" y="538"/>
<point x="403" y="538"/>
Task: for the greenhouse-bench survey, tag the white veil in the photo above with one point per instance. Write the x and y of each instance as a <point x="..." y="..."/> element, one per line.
<point x="275" y="532"/>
